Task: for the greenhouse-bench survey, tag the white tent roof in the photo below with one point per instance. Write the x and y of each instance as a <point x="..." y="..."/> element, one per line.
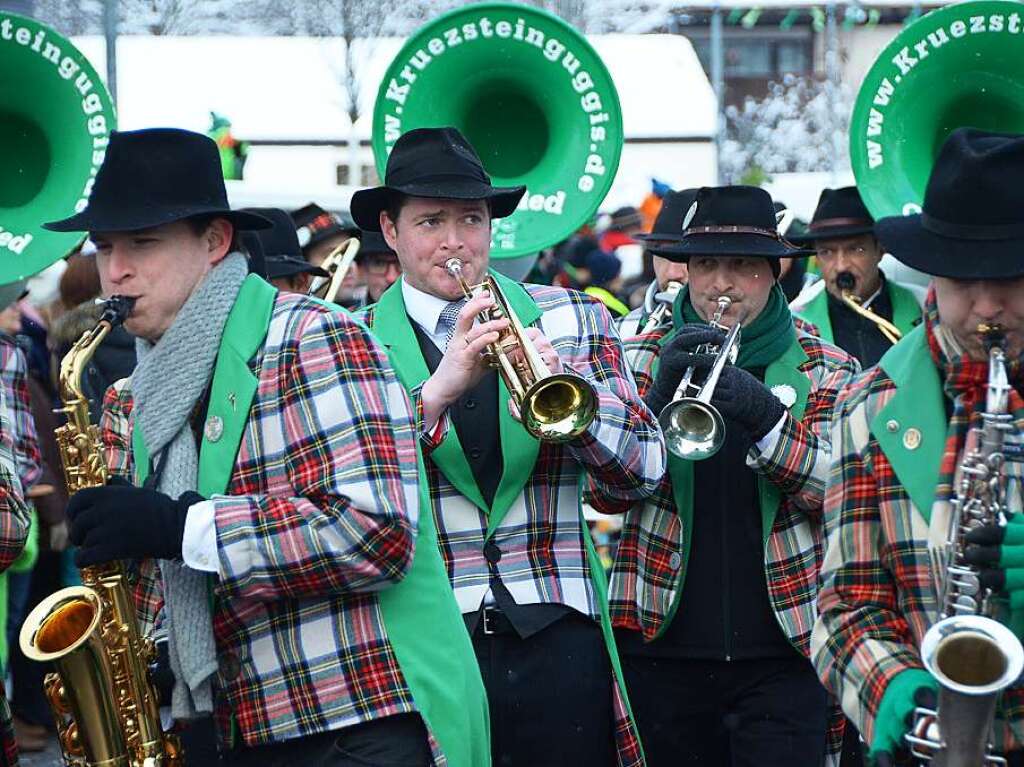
<point x="288" y="88"/>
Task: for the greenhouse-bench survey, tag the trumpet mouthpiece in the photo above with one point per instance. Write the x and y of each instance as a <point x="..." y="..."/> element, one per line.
<point x="453" y="266"/>
<point x="845" y="281"/>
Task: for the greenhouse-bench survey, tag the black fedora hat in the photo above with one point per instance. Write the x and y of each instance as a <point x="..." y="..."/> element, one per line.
<point x="279" y="244"/>
<point x="313" y="225"/>
<point x="972" y="224"/>
<point x="840" y="213"/>
<point x="668" y="226"/>
<point x="373" y="244"/>
<point x="153" y="177"/>
<point x="730" y="221"/>
<point x="433" y="162"/>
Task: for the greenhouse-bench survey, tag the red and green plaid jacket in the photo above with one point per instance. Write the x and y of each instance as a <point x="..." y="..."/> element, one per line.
<point x="878" y="595"/>
<point x="646" y="579"/>
<point x="319" y="515"/>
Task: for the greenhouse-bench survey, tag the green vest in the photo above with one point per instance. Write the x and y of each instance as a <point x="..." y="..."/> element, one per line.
<point x="906" y="311"/>
<point x="916" y="405"/>
<point x="420" y="615"/>
<point x="784" y="370"/>
<point x="519" y="450"/>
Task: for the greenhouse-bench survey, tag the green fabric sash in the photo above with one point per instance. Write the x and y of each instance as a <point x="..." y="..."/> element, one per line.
<point x="419" y="613"/>
<point x="782" y="368"/>
<point x="906" y="311"/>
<point x="394" y="329"/>
<point x="762" y="341"/>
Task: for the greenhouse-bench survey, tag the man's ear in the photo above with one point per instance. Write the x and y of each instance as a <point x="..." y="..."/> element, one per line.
<point x="389" y="229"/>
<point x="218" y="238"/>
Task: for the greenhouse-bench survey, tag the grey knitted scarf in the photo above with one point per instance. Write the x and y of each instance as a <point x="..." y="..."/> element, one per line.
<point x="171" y="377"/>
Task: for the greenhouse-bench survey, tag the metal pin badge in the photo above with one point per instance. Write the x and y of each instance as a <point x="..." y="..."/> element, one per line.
<point x="912" y="438"/>
<point x="232" y="399"/>
<point x="892" y="425"/>
<point x="214" y="428"/>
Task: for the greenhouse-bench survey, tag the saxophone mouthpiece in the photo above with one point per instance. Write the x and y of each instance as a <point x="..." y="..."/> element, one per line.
<point x="992" y="335"/>
<point x="846" y="281"/>
<point x="116" y="309"/>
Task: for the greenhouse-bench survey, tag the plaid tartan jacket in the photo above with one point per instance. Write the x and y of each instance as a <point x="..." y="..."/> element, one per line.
<point x="647" y="573"/>
<point x="14" y="529"/>
<point x="14" y="376"/>
<point x="878" y="596"/>
<point x="541" y="535"/>
<point x="320" y="513"/>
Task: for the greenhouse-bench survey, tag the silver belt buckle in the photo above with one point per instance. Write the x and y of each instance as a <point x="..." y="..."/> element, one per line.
<point x="486" y="618"/>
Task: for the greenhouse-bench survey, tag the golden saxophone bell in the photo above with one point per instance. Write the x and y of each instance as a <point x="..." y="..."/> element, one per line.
<point x="105" y="704"/>
<point x="552" y="407"/>
<point x="337" y="264"/>
<point x="845" y="282"/>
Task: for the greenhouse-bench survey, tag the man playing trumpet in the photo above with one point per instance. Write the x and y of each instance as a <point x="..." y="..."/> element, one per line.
<point x="715" y="578"/>
<point x="904" y="433"/>
<point x="507" y="505"/>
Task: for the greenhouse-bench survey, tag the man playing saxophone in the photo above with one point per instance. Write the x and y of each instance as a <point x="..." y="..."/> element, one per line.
<point x="274" y="510"/>
<point x="904" y="435"/>
<point x="507" y="505"/>
<point x="713" y="587"/>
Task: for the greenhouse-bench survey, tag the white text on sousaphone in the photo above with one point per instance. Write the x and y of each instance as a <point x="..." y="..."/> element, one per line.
<point x="911" y="55"/>
<point x="552" y="49"/>
<point x="67" y="68"/>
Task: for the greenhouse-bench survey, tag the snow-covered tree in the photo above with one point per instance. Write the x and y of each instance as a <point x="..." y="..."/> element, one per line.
<point x="801" y="125"/>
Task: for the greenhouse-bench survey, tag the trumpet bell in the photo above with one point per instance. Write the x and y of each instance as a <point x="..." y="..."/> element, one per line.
<point x="559" y="408"/>
<point x="693" y="430"/>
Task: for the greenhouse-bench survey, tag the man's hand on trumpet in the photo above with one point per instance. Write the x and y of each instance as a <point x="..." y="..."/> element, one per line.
<point x="463" y="363"/>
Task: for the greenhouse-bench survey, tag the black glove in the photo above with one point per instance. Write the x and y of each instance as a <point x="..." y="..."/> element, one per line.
<point x="740" y="397"/>
<point x="121" y="521"/>
<point x="676" y="357"/>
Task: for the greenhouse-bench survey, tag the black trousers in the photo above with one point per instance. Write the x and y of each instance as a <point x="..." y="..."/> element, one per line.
<point x="750" y="713"/>
<point x="550" y="694"/>
<point x="395" y="741"/>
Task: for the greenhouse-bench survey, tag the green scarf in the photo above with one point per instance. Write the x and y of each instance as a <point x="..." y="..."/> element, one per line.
<point x="762" y="341"/>
<point x="769" y="342"/>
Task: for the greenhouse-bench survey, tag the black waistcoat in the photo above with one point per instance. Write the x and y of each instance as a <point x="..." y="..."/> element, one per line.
<point x="475" y="419"/>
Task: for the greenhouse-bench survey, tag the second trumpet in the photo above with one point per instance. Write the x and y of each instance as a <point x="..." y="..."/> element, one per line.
<point x="693" y="427"/>
<point x="554" y="407"/>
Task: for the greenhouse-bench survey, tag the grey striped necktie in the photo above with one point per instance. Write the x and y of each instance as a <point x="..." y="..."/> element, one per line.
<point x="448" y="317"/>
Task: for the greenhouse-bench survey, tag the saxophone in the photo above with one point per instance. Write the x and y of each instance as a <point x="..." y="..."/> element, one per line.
<point x="972" y="655"/>
<point x="102" y="698"/>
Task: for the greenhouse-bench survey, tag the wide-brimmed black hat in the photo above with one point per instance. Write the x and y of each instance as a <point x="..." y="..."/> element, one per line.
<point x="153" y="177"/>
<point x="668" y="226"/>
<point x="313" y="225"/>
<point x="282" y="256"/>
<point x="373" y="244"/>
<point x="972" y="227"/>
<point x="433" y="162"/>
<point x="840" y="213"/>
<point x="730" y="221"/>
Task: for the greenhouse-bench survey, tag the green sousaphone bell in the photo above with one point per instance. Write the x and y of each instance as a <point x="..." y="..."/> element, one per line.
<point x="959" y="66"/>
<point x="534" y="100"/>
<point x="55" y="120"/>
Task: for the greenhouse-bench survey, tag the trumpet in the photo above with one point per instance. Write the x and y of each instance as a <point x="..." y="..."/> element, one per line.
<point x="693" y="427"/>
<point x="553" y="407"/>
<point x="665" y="300"/>
<point x="845" y="282"/>
<point x="337" y="264"/>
